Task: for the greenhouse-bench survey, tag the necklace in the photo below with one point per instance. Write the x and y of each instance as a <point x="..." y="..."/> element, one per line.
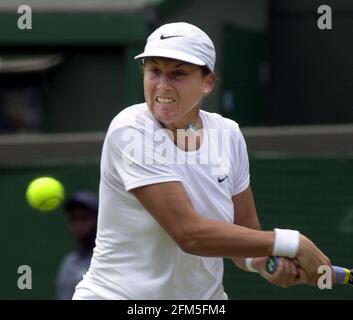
<point x="191" y="126"/>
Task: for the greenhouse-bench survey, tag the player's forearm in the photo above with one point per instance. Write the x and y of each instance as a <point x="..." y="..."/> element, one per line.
<point x="215" y="238"/>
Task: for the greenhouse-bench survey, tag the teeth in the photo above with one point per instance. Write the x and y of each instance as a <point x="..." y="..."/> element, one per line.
<point x="165" y="100"/>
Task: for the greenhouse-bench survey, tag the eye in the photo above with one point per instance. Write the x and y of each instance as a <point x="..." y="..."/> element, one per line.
<point x="179" y="74"/>
<point x="155" y="71"/>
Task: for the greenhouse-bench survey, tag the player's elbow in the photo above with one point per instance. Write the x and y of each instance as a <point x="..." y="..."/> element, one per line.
<point x="187" y="244"/>
<point x="190" y="239"/>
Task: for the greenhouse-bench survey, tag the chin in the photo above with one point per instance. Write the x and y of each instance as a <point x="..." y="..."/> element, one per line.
<point x="164" y="120"/>
<point x="165" y="116"/>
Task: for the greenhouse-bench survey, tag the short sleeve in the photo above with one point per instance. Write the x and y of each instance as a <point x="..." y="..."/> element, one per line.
<point x="240" y="164"/>
<point x="139" y="158"/>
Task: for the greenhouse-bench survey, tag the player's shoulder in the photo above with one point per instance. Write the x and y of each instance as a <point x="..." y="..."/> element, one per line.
<point x="216" y="120"/>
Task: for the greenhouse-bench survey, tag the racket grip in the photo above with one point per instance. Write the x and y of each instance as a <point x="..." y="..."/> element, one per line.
<point x="342" y="274"/>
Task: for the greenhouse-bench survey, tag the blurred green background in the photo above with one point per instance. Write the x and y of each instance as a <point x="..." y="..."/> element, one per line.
<point x="37" y="239"/>
<point x="313" y="195"/>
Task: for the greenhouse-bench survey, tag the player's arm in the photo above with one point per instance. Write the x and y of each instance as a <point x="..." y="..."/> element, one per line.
<point x="245" y="215"/>
<point x="170" y="205"/>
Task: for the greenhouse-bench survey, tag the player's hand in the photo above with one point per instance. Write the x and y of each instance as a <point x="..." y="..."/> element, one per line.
<point x="310" y="258"/>
<point x="287" y="274"/>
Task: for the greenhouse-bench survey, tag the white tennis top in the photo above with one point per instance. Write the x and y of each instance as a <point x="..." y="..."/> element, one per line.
<point x="134" y="257"/>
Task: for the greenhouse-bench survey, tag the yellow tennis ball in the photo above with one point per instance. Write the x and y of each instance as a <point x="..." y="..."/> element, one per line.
<point x="45" y="193"/>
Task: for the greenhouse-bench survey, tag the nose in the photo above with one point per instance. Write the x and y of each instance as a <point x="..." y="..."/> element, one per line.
<point x="163" y="83"/>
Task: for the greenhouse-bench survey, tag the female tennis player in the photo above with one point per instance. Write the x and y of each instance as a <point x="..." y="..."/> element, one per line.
<point x="175" y="195"/>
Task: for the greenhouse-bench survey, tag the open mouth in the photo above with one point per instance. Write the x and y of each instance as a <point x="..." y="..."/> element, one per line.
<point x="165" y="100"/>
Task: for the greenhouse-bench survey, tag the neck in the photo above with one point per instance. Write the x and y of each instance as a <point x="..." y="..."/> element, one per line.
<point x="192" y="125"/>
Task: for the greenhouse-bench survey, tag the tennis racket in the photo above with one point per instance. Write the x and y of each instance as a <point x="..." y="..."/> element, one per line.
<point x="343" y="275"/>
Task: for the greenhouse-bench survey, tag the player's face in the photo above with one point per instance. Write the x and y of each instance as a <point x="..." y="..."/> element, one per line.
<point x="174" y="90"/>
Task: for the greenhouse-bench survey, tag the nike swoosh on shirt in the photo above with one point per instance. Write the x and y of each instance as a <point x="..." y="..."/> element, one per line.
<point x="221" y="180"/>
<point x="163" y="37"/>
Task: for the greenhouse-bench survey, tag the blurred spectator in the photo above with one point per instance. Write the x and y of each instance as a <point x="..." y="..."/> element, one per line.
<point x="82" y="210"/>
<point x="20" y="110"/>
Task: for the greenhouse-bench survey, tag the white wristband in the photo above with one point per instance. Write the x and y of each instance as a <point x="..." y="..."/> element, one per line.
<point x="286" y="243"/>
<point x="248" y="264"/>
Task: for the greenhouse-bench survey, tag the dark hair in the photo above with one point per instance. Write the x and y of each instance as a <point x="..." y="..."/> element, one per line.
<point x="83" y="199"/>
<point x="204" y="69"/>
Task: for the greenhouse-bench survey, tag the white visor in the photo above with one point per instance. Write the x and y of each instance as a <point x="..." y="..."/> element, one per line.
<point x="181" y="41"/>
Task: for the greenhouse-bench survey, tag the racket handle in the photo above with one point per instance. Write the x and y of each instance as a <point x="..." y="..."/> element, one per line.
<point x="342" y="274"/>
